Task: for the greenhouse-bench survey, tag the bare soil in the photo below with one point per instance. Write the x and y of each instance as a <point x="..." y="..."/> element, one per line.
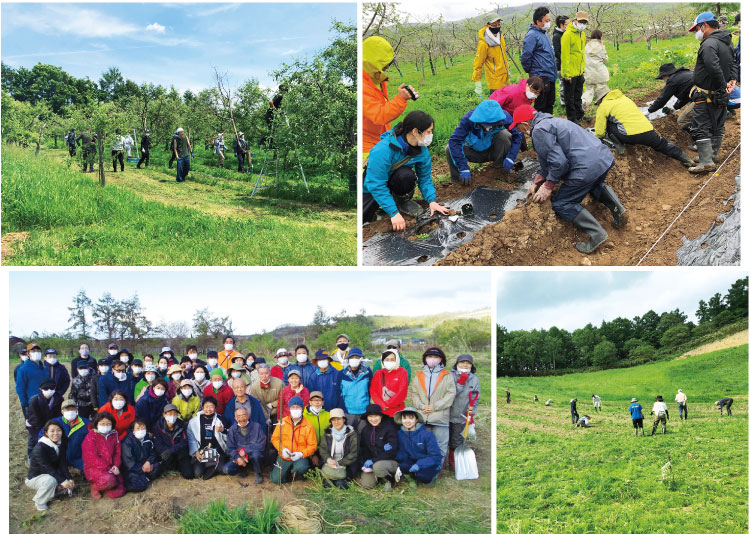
<point x="735" y="340"/>
<point x="652" y="187"/>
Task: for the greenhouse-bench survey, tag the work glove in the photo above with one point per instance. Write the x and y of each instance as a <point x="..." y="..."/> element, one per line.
<point x="414" y="468"/>
<point x="367" y="464"/>
<point x="286" y="453"/>
<point x="296" y="456"/>
<point x="508" y="164"/>
<point x="387" y="447"/>
<point x="478" y="89"/>
<point x="465" y="177"/>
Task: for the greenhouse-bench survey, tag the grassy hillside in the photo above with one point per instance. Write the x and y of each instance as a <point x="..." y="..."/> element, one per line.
<point x="553" y="477"/>
<point x="384" y="322"/>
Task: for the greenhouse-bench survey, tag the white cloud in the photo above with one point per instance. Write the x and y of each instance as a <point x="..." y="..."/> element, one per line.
<point x="81" y="21"/>
<point x="292" y="51"/>
<point x="155" y="27"/>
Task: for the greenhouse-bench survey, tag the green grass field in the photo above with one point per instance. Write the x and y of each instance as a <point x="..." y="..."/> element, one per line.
<point x="555" y="478"/>
<point x="143" y="217"/>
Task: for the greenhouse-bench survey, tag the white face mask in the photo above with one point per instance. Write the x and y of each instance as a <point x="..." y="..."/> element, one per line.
<point x="163" y="366"/>
<point x="137" y="370"/>
<point x="36" y="356"/>
<point x="171" y="419"/>
<point x="71" y="415"/>
<point x="188" y="366"/>
<point x="580" y="26"/>
<point x="83" y="372"/>
<point x="236" y="374"/>
<point x="699" y="35"/>
<point x="24" y="357"/>
<point x="200" y="376"/>
<point x="139" y="434"/>
<point x="159" y="392"/>
<point x="176" y="376"/>
<point x="112" y="352"/>
<point x="530" y="95"/>
<point x="48" y="393"/>
<point x="193" y="356"/>
<point x="212" y="362"/>
<point x="301" y="358"/>
<point x="104" y="369"/>
<point x="323" y="364"/>
<point x="463" y="370"/>
<point x="104" y="429"/>
<point x="83" y="352"/>
<point x="228" y="346"/>
<point x="390" y="366"/>
<point x="547" y="25"/>
<point x="354" y="362"/>
<point x="52" y="361"/>
<point x="187" y="392"/>
<point x="118" y="404"/>
<point x="150" y="377"/>
<point x="218" y="384"/>
<point x="296" y="413"/>
<point x="427" y="141"/>
<point x="124" y="359"/>
<point x="283" y="360"/>
<point x="120" y="376"/>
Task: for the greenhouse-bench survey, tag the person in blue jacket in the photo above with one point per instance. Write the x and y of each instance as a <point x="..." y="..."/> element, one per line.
<point x="23" y="355"/>
<point x="418" y="451"/>
<point x="253" y="407"/>
<point x="117" y="380"/>
<point x="75" y="429"/>
<point x="151" y="404"/>
<point x="140" y="464"/>
<point x="579" y="162"/>
<point x="30" y="376"/>
<point x="305" y="368"/>
<point x="538" y="58"/>
<point x="327" y="380"/>
<point x="397" y="164"/>
<point x="56" y="371"/>
<point x="482" y="135"/>
<point x="636" y="414"/>
<point x="355" y="386"/>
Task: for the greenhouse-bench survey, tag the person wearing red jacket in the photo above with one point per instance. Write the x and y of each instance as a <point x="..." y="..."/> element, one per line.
<point x="101" y="458"/>
<point x="522" y="93"/>
<point x="294" y="389"/>
<point x="219" y="389"/>
<point x="390" y="385"/>
<point x="122" y="413"/>
<point x="377" y="110"/>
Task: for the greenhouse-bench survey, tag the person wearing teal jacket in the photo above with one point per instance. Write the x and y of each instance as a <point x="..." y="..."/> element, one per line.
<point x="355" y="386"/>
<point x="396" y="165"/>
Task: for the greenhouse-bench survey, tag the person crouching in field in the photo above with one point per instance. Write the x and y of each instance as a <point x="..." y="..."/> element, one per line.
<point x="338" y="449"/>
<point x="570" y="155"/>
<point x="294" y="440"/>
<point x="467" y="394"/>
<point x="661" y="415"/>
<point x="483" y="135"/>
<point x="206" y="439"/>
<point x="102" y="458"/>
<point x="396" y="166"/>
<point x="726" y="402"/>
<point x="681" y="400"/>
<point x="139" y="462"/>
<point x="246" y="443"/>
<point x="584" y="422"/>
<point x="636" y="414"/>
<point x="677" y="83"/>
<point x="182" y="151"/>
<point x="619" y="119"/>
<point x="378" y="445"/>
<point x="419" y="455"/>
<point x="48" y="469"/>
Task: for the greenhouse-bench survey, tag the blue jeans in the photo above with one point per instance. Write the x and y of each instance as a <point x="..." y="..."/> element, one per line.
<point x="183" y="168"/>
<point x="682" y="407"/>
<point x="230" y="468"/>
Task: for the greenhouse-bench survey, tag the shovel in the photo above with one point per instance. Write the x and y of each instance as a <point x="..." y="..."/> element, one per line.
<point x="465" y="461"/>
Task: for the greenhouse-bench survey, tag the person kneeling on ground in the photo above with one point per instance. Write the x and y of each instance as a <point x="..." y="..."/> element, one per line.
<point x="482" y="135"/>
<point x="171" y="443"/>
<point x="584" y="422"/>
<point x="661" y="414"/>
<point x="418" y="452"/>
<point x="139" y="462"/>
<point x="636" y="414"/>
<point x="378" y="447"/>
<point x="396" y="165"/>
<point x="570" y="155"/>
<point x="206" y="440"/>
<point x="246" y="442"/>
<point x="102" y="458"/>
<point x="294" y="440"/>
<point x="619" y="119"/>
<point x="48" y="470"/>
<point x="338" y="450"/>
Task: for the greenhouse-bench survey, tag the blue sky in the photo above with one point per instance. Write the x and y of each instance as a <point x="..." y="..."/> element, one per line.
<point x="570" y="300"/>
<point x="168" y="44"/>
<point x="255" y="300"/>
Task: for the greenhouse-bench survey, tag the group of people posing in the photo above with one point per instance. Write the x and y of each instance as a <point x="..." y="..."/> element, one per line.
<point x="128" y="420"/>
<point x="573" y="161"/>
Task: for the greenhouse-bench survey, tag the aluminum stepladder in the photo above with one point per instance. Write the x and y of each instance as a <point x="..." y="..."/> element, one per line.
<point x="275" y="163"/>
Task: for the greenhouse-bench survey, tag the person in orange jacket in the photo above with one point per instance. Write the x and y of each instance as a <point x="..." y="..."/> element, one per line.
<point x="228" y="354"/>
<point x="377" y="110"/>
<point x="295" y="441"/>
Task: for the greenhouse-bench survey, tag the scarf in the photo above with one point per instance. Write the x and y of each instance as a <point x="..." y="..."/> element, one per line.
<point x="339" y="435"/>
<point x="265" y="385"/>
<point x="464" y="378"/>
<point x="491" y="39"/>
<point x="50" y="443"/>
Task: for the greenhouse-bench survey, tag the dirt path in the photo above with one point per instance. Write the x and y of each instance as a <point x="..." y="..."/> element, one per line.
<point x="735" y="340"/>
<point x="653" y="188"/>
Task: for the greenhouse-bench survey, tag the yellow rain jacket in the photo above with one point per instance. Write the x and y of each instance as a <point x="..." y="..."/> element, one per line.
<point x="494" y="58"/>
<point x="619" y="108"/>
<point x="572" y="52"/>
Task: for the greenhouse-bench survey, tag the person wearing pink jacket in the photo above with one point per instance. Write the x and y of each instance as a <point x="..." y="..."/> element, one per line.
<point x="522" y="93"/>
<point x="101" y="458"/>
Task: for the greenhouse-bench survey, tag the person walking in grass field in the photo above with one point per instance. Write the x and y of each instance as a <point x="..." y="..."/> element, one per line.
<point x="661" y="415"/>
<point x="636" y="414"/>
<point x="726" y="402"/>
<point x="597" y="402"/>
<point x="573" y="411"/>
<point x="507" y="396"/>
<point x="681" y="400"/>
<point x="145" y="148"/>
<point x="182" y="150"/>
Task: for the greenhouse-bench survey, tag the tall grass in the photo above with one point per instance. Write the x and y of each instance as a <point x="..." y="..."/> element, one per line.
<point x="218" y="517"/>
<point x="71" y="220"/>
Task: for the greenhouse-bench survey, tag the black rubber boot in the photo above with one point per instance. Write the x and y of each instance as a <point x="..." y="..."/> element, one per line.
<point x="619" y="146"/>
<point x="715" y="146"/>
<point x="609" y="198"/>
<point x="406" y="206"/>
<point x="585" y="222"/>
<point x="685" y="159"/>
<point x="705" y="153"/>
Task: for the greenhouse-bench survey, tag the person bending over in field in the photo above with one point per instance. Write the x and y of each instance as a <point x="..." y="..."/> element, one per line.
<point x="483" y="135"/>
<point x="396" y="165"/>
<point x="636" y="414"/>
<point x="584" y="422"/>
<point x="726" y="402"/>
<point x="661" y="414"/>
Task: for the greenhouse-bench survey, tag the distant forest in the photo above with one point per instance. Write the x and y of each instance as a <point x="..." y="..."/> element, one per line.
<point x="620" y="342"/>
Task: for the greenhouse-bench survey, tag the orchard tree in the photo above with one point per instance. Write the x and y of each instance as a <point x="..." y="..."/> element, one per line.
<point x="81" y="305"/>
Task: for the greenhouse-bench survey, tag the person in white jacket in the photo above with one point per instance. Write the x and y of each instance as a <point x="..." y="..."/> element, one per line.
<point x="596" y="74"/>
<point x="661" y="414"/>
<point x="681" y="400"/>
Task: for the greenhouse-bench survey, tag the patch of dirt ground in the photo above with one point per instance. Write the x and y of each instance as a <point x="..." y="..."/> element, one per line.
<point x="652" y="187"/>
<point x="9" y="240"/>
<point x="735" y="340"/>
